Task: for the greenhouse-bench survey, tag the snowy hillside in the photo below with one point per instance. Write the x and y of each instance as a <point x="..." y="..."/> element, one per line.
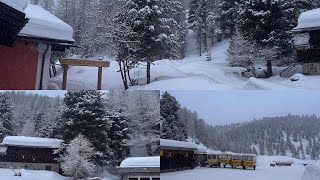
<point x="263" y="172"/>
<point x="291" y="135"/>
<point x="184" y="74"/>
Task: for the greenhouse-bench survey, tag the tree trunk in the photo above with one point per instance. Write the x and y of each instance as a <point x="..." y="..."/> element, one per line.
<point x="148" y="71"/>
<point x="269" y="69"/>
<point x="123" y="76"/>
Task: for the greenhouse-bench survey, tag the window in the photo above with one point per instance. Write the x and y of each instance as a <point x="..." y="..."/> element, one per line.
<point x="144" y="178"/>
<point x="48" y="168"/>
<point x="168" y="154"/>
<point x="186" y="154"/>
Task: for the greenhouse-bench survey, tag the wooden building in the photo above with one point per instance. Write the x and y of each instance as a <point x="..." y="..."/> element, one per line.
<point x="307" y="41"/>
<point x="32" y="153"/>
<point x="27" y="39"/>
<point x="140" y="168"/>
<point x="177" y="155"/>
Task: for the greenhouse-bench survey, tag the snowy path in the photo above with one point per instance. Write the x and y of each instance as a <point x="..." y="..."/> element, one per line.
<point x="190" y="73"/>
<point x="265" y="173"/>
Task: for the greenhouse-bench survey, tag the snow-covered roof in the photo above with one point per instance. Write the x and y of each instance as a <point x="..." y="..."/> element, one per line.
<point x="308" y="20"/>
<point x="17" y="4"/>
<point x="31" y="142"/>
<point x="43" y="24"/>
<point x="141" y="162"/>
<point x="177" y="144"/>
<point x="210" y="151"/>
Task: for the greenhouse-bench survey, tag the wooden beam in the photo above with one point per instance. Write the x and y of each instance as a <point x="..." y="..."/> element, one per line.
<point x="65" y="74"/>
<point x="99" y="78"/>
<point x="83" y="62"/>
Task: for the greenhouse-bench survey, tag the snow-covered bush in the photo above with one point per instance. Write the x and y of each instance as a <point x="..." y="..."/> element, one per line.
<point x="244" y="53"/>
<point x="76" y="162"/>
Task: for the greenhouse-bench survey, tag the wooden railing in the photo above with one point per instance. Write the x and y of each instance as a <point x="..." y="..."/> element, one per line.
<point x="82" y="62"/>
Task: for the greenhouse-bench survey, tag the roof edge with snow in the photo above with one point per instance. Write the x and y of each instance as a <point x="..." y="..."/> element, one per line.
<point x="166" y="143"/>
<point x="308" y="21"/>
<point x="36" y="142"/>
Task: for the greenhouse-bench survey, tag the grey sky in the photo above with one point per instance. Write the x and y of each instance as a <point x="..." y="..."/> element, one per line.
<point x="224" y="107"/>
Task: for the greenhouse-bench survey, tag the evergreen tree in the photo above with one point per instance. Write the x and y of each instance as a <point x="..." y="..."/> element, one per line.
<point x="228" y="17"/>
<point x="269" y="23"/>
<point x="6" y="115"/>
<point x="172" y="127"/>
<point x="38" y="127"/>
<point x="157" y="31"/>
<point x="198" y="20"/>
<point x="119" y="135"/>
<point x="84" y="113"/>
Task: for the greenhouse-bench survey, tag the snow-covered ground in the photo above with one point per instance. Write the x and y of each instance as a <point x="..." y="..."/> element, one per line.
<point x="190" y="73"/>
<point x="8" y="174"/>
<point x="263" y="172"/>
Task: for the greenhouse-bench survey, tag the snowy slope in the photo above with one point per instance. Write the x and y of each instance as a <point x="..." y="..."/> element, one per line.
<point x="190" y="73"/>
<point x="263" y="172"/>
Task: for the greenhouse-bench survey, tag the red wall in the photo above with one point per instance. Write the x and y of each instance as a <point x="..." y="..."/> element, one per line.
<point x="18" y="66"/>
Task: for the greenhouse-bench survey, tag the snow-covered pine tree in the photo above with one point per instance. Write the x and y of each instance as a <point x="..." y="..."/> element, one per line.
<point x="6" y="116"/>
<point x="172" y="126"/>
<point x="228" y="17"/>
<point x="119" y="135"/>
<point x="38" y="124"/>
<point x="84" y="113"/>
<point x="198" y="20"/>
<point x="269" y="23"/>
<point x="76" y="161"/>
<point x="157" y="31"/>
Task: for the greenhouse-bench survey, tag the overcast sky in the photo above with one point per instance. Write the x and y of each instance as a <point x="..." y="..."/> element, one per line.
<point x="225" y="107"/>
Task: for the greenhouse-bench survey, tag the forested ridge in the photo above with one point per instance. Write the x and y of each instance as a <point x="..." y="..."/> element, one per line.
<point x="292" y="135"/>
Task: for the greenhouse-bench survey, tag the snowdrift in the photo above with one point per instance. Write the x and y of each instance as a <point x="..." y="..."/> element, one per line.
<point x="43" y="24"/>
<point x="17" y="4"/>
<point x="308" y="19"/>
<point x="312" y="172"/>
<point x="135" y="162"/>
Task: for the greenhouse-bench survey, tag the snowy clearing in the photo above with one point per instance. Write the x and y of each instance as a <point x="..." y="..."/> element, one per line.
<point x="263" y="172"/>
<point x="8" y="174"/>
<point x="190" y="73"/>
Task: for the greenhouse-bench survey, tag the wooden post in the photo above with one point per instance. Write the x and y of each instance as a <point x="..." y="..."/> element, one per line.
<point x="99" y="78"/>
<point x="65" y="74"/>
<point x="83" y="62"/>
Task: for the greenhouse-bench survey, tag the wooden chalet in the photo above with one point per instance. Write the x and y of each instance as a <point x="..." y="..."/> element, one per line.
<point x="32" y="153"/>
<point x="140" y="168"/>
<point x="28" y="37"/>
<point x="177" y="155"/>
<point x="307" y="41"/>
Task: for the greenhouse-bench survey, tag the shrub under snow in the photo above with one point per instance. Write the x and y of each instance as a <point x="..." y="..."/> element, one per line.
<point x="76" y="162"/>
